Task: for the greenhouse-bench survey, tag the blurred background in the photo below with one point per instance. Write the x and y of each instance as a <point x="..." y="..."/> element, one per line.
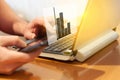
<point x="31" y="9"/>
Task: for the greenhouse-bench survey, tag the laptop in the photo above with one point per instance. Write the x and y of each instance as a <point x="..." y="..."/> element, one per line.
<point x="95" y="31"/>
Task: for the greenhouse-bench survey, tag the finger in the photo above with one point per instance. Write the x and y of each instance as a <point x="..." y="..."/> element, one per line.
<point x="30" y="31"/>
<point x="35" y="23"/>
<point x="38" y="31"/>
<point x="13" y="56"/>
<point x="12" y="40"/>
<point x="29" y="35"/>
<point x="14" y="60"/>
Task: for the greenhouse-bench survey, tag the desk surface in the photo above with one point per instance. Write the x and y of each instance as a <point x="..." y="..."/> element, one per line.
<point x="105" y="65"/>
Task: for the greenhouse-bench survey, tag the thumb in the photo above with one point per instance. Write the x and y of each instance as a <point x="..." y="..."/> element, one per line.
<point x="12" y="41"/>
<point x="29" y="35"/>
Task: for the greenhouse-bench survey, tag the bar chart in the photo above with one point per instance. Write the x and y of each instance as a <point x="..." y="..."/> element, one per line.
<point x="61" y="29"/>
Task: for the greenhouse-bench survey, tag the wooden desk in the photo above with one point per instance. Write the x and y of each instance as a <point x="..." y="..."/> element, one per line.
<point x="105" y="65"/>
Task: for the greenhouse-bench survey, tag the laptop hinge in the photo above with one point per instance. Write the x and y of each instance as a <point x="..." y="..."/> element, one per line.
<point x="70" y="52"/>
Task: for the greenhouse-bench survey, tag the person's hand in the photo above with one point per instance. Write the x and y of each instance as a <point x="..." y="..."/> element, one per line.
<point x="35" y="29"/>
<point x="11" y="60"/>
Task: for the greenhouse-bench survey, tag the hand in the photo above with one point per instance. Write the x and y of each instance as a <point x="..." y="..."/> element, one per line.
<point x="35" y="29"/>
<point x="11" y="60"/>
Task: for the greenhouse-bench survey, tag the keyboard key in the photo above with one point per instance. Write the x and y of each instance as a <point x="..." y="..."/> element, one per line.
<point x="62" y="44"/>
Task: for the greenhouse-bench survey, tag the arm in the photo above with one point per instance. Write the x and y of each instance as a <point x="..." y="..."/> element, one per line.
<point x="9" y="21"/>
<point x="12" y="24"/>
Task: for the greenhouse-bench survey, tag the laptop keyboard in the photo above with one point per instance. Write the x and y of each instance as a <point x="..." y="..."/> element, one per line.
<point x="61" y="45"/>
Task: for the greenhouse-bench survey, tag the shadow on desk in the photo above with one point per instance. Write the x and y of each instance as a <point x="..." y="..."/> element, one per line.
<point x="107" y="56"/>
<point x="52" y="70"/>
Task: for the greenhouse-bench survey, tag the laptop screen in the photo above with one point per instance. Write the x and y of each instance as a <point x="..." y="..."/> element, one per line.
<point x="99" y="16"/>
